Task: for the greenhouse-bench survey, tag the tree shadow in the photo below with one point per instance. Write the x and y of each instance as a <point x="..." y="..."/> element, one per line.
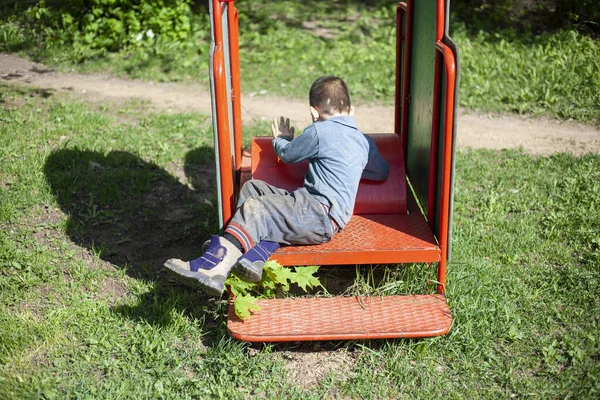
<point x="23" y="94"/>
<point x="135" y="215"/>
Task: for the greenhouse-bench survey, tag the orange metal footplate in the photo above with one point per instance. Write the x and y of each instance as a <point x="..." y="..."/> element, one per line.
<point x="344" y="318"/>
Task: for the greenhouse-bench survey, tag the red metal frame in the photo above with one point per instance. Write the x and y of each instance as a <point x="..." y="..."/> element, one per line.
<point x="222" y="110"/>
<point x="373" y="320"/>
<point x="444" y="58"/>
<point x="231" y="164"/>
<point x="450" y="64"/>
<point x="435" y="135"/>
<point x="236" y="91"/>
<point x="450" y="68"/>
<point x="403" y="93"/>
<point x="400" y="41"/>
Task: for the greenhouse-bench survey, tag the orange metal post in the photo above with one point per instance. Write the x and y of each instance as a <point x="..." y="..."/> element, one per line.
<point x="450" y="64"/>
<point x="222" y="108"/>
<point x="236" y="92"/>
<point x="407" y="8"/>
<point x="440" y="19"/>
<point x="400" y="40"/>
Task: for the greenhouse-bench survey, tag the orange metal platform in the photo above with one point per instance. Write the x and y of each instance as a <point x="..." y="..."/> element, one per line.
<point x="369" y="239"/>
<point x="380" y="231"/>
<point x="343" y="318"/>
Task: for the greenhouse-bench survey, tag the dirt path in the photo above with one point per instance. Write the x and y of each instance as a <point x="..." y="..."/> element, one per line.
<point x="536" y="136"/>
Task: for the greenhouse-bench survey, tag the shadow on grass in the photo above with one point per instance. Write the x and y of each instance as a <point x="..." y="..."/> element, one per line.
<point x="135" y="215"/>
<point x="17" y="101"/>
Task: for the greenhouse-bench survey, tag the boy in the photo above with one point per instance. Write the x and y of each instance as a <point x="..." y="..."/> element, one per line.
<point x="339" y="156"/>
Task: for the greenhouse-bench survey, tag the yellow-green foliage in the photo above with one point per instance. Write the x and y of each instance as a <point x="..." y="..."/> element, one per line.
<point x="275" y="282"/>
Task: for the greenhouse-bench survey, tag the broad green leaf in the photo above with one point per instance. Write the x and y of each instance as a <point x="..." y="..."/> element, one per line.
<point x="244" y="304"/>
<point x="278" y="274"/>
<point x="303" y="277"/>
<point x="238" y="286"/>
<point x="268" y="282"/>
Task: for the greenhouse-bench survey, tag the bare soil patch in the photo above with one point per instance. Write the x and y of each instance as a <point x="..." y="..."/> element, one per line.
<point x="112" y="290"/>
<point x="307" y="369"/>
<point x="535" y="136"/>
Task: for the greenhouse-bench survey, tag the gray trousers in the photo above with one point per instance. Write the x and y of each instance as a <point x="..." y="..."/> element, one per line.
<point x="265" y="212"/>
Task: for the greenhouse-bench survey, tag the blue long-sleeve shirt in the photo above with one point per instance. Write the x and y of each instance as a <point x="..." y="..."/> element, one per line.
<point x="340" y="155"/>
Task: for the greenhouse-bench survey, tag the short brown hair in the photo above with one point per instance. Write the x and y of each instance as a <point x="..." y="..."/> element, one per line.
<point x="330" y="95"/>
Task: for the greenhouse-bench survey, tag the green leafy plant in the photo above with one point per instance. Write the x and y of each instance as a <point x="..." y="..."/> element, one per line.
<point x="97" y="27"/>
<point x="275" y="282"/>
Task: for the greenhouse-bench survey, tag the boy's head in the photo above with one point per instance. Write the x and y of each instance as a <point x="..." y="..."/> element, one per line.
<point x="328" y="96"/>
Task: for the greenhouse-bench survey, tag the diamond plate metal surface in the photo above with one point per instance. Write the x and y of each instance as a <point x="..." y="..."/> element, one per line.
<point x="369" y="239"/>
<point x="343" y="318"/>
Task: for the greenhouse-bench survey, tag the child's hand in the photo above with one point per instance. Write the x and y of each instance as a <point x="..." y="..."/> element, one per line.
<point x="282" y="128"/>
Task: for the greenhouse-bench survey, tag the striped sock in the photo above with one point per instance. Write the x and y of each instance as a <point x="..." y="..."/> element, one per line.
<point x="234" y="241"/>
<point x="240" y="235"/>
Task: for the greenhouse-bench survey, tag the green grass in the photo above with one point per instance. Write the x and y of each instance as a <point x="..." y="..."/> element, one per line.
<point x="94" y="198"/>
<point x="553" y="74"/>
<point x="286" y="44"/>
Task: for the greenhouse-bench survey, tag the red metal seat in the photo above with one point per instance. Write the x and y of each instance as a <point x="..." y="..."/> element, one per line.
<point x="381" y="230"/>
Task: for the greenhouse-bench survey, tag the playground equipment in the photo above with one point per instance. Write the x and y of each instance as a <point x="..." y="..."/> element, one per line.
<point x="388" y="226"/>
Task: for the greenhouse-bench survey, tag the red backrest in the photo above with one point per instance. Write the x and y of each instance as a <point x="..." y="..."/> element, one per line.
<point x="387" y="197"/>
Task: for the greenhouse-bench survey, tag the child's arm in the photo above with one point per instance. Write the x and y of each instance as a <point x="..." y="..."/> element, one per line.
<point x="302" y="147"/>
<point x="377" y="169"/>
<point x="283" y="128"/>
